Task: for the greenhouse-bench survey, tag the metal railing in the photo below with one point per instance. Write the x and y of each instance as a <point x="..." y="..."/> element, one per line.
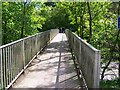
<point x="16" y="56"/>
<point x="88" y="59"/>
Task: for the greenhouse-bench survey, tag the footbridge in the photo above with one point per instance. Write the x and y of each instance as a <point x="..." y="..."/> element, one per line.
<point x="49" y="60"/>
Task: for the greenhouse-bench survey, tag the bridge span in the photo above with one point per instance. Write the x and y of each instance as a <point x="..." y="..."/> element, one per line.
<point x="49" y="60"/>
<point x="54" y="68"/>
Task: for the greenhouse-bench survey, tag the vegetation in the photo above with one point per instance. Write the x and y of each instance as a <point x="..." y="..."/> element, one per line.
<point x="95" y="22"/>
<point x="110" y="83"/>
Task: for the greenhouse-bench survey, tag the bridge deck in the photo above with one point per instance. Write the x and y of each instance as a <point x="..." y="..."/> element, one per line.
<point x="54" y="68"/>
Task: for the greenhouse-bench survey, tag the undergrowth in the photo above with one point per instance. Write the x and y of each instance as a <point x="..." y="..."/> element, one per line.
<point x="110" y="84"/>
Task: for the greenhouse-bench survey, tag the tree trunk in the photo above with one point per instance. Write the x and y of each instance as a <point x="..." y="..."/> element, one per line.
<point x="111" y="55"/>
<point x="75" y="16"/>
<point x="23" y="21"/>
<point x="90" y="21"/>
<point x="113" y="49"/>
<point x="118" y="43"/>
<point x="80" y="25"/>
<point x="4" y="40"/>
<point x="81" y="19"/>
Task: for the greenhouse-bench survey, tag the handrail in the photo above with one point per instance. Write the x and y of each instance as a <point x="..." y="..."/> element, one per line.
<point x="17" y="55"/>
<point x="87" y="57"/>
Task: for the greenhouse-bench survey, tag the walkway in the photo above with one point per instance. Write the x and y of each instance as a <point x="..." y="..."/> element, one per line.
<point x="53" y="68"/>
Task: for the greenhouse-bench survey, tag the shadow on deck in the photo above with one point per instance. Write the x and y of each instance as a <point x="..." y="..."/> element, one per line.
<point x="53" y="68"/>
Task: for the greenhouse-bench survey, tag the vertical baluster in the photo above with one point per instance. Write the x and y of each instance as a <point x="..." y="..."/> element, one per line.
<point x="29" y="54"/>
<point x="42" y="42"/>
<point x="6" y="65"/>
<point x="23" y="52"/>
<point x="16" y="69"/>
<point x="10" y="62"/>
<point x="32" y="41"/>
<point x="17" y="61"/>
<point x="21" y="60"/>
<point x="30" y="48"/>
<point x="27" y="50"/>
<point x="24" y="47"/>
<point x="9" y="66"/>
<point x="13" y="61"/>
<point x="33" y="47"/>
<point x="12" y="69"/>
<point x="21" y="64"/>
<point x="36" y="44"/>
<point x="13" y="57"/>
<point x="33" y="44"/>
<point x="39" y="42"/>
<point x="18" y="57"/>
<point x="1" y="68"/>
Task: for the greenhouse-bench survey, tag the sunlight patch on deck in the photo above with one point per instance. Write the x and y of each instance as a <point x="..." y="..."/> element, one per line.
<point x="54" y="68"/>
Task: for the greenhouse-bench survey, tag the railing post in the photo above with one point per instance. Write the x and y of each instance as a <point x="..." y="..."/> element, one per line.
<point x="97" y="69"/>
<point x="1" y="70"/>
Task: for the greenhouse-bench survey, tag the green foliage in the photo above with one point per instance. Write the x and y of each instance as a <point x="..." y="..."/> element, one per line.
<point x="110" y="84"/>
<point x="13" y="18"/>
<point x="75" y="16"/>
<point x="11" y="15"/>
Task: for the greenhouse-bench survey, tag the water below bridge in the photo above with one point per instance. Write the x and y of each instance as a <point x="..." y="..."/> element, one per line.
<point x="53" y="68"/>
